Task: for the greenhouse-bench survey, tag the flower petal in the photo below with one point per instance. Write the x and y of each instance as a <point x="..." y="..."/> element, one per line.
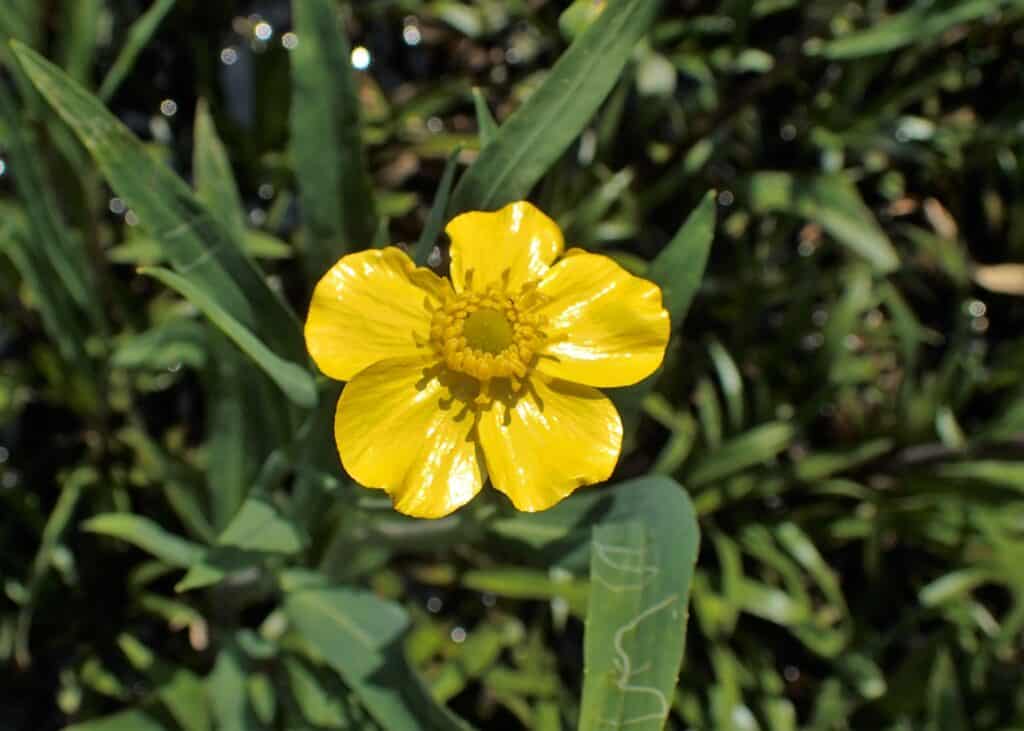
<point x="605" y="327"/>
<point x="398" y="429"/>
<point x="558" y="437"/>
<point x="518" y="239"/>
<point x="370" y="305"/>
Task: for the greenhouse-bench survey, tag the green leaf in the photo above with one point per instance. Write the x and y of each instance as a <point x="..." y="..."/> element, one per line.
<point x="259" y="526"/>
<point x="360" y="636"/>
<point x="946" y="710"/>
<point x="487" y="128"/>
<point x="678" y="270"/>
<point x="537" y="134"/>
<point x="435" y="221"/>
<point x="261" y="245"/>
<point x="139" y="34"/>
<point x="295" y="381"/>
<point x="55" y="307"/>
<point x="225" y="687"/>
<point x="820" y="465"/>
<point x="184" y="695"/>
<point x="214" y="180"/>
<point x="831" y="201"/>
<point x="214" y="565"/>
<point x="994" y="472"/>
<point x="197" y="246"/>
<point x="758" y="445"/>
<point x="319" y="705"/>
<point x="326" y="140"/>
<point x="133" y="720"/>
<point x="916" y="25"/>
<point x="147" y="535"/>
<point x="679" y="267"/>
<point x="170" y="344"/>
<point x="56" y="525"/>
<point x="640" y="575"/>
<point x="230" y="456"/>
<point x="81" y="36"/>
<point x="66" y="256"/>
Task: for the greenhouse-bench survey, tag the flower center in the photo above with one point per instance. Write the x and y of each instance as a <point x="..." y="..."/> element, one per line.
<point x="488" y="331"/>
<point x="487" y="335"/>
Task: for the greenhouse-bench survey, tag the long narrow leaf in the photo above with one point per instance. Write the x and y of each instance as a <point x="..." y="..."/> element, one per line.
<point x="295" y="381"/>
<point x="196" y="244"/>
<point x="66" y="256"/>
<point x="831" y="201"/>
<point x="437" y="211"/>
<point x="360" y="636"/>
<point x="326" y="143"/>
<point x="214" y="181"/>
<point x="679" y="268"/>
<point x="138" y="36"/>
<point x="530" y="141"/>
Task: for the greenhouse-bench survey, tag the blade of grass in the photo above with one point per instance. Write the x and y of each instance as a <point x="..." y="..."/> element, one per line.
<point x="487" y="128"/>
<point x="435" y="221"/>
<point x="138" y="37"/>
<point x="81" y="34"/>
<point x="536" y="135"/>
<point x="831" y="201"/>
<point x="214" y="181"/>
<point x="196" y="244"/>
<point x="679" y="267"/>
<point x="294" y="380"/>
<point x="66" y="256"/>
<point x="326" y="139"/>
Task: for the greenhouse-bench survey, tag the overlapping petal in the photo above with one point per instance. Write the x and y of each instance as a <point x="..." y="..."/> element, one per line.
<point x="517" y="242"/>
<point x="370" y="306"/>
<point x="605" y="327"/>
<point x="557" y="437"/>
<point x="398" y="429"/>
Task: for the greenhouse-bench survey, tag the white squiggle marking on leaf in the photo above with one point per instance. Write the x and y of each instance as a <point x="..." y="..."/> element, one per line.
<point x="626" y="560"/>
<point x="624" y="664"/>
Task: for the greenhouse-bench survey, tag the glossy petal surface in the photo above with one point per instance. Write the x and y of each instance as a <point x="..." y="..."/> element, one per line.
<point x="370" y="306"/>
<point x="558" y="437"/>
<point x="605" y="327"/>
<point x="398" y="429"/>
<point x="518" y="239"/>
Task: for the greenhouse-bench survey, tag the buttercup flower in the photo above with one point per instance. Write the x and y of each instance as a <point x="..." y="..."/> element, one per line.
<point x="491" y="373"/>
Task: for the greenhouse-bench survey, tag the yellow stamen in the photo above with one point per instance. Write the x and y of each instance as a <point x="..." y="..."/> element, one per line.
<point x="488" y="335"/>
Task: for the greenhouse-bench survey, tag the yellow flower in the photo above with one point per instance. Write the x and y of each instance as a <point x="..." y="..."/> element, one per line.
<point x="491" y="373"/>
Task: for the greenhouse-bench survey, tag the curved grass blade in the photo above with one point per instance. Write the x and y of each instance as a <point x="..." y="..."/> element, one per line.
<point x="917" y="24"/>
<point x="56" y="309"/>
<point x="760" y="444"/>
<point x="57" y="522"/>
<point x="81" y="37"/>
<point x="139" y="35"/>
<point x="436" y="218"/>
<point x="361" y="636"/>
<point x="641" y="569"/>
<point x="326" y="139"/>
<point x="147" y="535"/>
<point x="679" y="267"/>
<point x="486" y="126"/>
<point x="131" y="720"/>
<point x="195" y="243"/>
<point x="530" y="141"/>
<point x="295" y="381"/>
<point x="66" y="256"/>
<point x="214" y="180"/>
<point x="678" y="270"/>
<point x="831" y="201"/>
